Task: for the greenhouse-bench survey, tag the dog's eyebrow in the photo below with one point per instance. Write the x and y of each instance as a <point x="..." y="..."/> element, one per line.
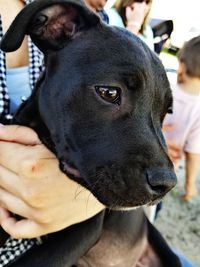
<point x="134" y="81"/>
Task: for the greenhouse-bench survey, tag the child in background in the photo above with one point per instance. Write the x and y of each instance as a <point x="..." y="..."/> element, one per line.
<point x="185" y="119"/>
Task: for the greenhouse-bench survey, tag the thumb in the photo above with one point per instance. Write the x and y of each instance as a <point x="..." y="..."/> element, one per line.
<point x="18" y="134"/>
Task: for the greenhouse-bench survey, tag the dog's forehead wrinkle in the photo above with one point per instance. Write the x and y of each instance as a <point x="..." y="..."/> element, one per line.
<point x="123" y="46"/>
<point x="84" y="59"/>
<point x="110" y="75"/>
<point x="88" y="78"/>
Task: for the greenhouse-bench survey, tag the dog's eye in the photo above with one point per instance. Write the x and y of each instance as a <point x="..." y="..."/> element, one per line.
<point x="109" y="94"/>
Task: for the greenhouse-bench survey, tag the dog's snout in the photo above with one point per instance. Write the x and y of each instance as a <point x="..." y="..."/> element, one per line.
<point x="161" y="181"/>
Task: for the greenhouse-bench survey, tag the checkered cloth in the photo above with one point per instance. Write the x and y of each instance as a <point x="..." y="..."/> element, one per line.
<point x="14" y="248"/>
<point x="4" y="98"/>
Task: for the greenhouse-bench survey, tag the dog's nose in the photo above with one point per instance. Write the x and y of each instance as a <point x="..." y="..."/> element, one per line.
<point x="161" y="180"/>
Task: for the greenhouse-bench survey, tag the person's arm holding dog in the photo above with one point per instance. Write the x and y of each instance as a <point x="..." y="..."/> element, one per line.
<point x="47" y="198"/>
<point x="32" y="186"/>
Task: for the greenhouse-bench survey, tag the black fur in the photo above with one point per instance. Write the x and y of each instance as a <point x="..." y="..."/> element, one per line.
<point x="118" y="147"/>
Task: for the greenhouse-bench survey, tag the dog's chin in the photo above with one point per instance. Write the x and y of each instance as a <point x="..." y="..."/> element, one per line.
<point x="115" y="201"/>
<point x="154" y="202"/>
<point x="112" y="201"/>
<point x="151" y="203"/>
<point x="125" y="207"/>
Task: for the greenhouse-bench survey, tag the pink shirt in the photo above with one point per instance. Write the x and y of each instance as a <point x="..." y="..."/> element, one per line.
<point x="186" y="117"/>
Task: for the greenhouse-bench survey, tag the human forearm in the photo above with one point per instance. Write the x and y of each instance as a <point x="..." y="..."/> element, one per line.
<point x="192" y="166"/>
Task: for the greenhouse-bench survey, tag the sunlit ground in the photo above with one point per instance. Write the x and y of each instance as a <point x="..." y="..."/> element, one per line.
<point x="169" y="60"/>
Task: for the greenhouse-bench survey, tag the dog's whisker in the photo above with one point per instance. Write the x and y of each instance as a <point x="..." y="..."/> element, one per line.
<point x="114" y="205"/>
<point x="95" y="183"/>
<point x="87" y="202"/>
<point x="98" y="180"/>
<point x="81" y="190"/>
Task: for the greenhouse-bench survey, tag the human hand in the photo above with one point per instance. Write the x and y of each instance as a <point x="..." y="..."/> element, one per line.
<point x="135" y="15"/>
<point x="32" y="186"/>
<point x="174" y="151"/>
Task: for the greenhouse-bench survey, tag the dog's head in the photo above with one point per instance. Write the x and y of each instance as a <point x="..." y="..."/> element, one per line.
<point x="100" y="103"/>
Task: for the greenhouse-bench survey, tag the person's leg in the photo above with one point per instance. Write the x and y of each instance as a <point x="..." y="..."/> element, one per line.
<point x="191" y="168"/>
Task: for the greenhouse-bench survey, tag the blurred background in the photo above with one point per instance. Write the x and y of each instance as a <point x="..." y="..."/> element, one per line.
<point x="174" y="22"/>
<point x="185" y="16"/>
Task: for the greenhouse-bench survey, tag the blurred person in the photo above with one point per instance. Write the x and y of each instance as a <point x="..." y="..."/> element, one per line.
<point x="98" y="6"/>
<point x="133" y="14"/>
<point x="185" y="120"/>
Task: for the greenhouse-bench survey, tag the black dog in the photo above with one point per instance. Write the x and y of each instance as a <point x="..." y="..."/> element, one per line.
<point x="99" y="107"/>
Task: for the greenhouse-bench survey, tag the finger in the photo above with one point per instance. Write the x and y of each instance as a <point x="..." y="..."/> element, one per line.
<point x="15" y="205"/>
<point x="19" y="134"/>
<point x="168" y="127"/>
<point x="10" y="181"/>
<point x="13" y="155"/>
<point x="21" y="229"/>
<point x="174" y="156"/>
<point x="4" y="214"/>
<point x="175" y="151"/>
<point x="173" y="146"/>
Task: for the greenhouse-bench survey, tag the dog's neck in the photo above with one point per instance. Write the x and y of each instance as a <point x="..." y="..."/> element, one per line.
<point x="112" y="251"/>
<point x="122" y="242"/>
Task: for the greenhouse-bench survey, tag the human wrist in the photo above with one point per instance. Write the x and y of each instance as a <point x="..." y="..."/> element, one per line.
<point x="133" y="27"/>
<point x="134" y="24"/>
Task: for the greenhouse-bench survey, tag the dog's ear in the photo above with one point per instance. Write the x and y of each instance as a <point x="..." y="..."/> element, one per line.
<point x="50" y="23"/>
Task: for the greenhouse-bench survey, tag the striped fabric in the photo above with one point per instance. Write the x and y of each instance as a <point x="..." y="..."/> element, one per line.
<point x="35" y="68"/>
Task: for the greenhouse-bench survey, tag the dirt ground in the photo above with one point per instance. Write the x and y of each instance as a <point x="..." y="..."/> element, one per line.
<point x="179" y="221"/>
